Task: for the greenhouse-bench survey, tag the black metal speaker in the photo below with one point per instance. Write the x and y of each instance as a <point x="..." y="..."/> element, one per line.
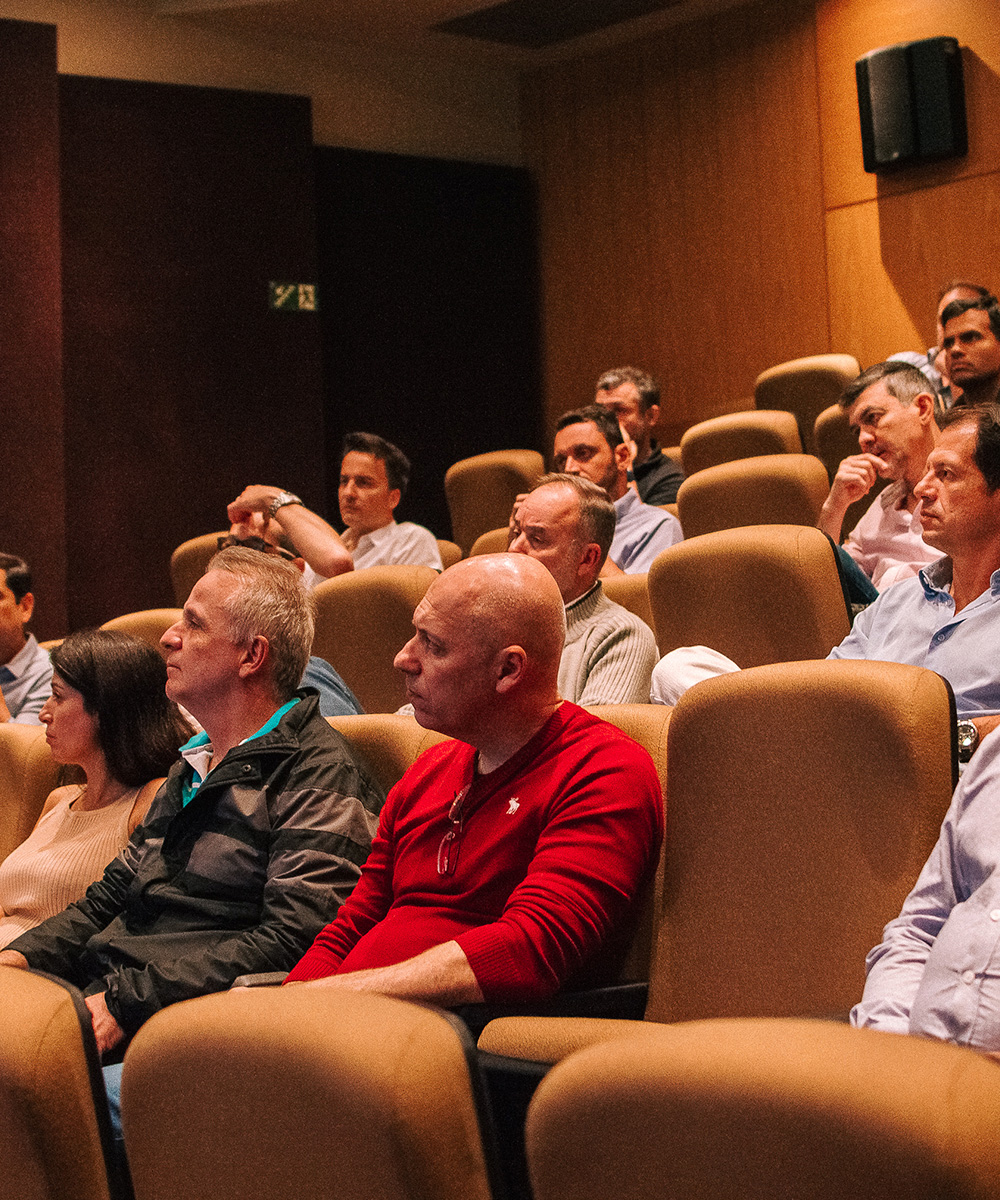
<point x="911" y="98"/>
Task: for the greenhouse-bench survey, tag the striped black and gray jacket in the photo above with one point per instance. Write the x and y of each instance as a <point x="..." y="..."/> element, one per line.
<point x="239" y="881"/>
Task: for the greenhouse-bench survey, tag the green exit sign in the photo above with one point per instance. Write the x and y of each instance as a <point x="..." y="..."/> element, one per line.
<point x="292" y="297"/>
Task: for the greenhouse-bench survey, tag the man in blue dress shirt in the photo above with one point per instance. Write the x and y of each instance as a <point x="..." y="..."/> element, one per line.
<point x="25" y="671"/>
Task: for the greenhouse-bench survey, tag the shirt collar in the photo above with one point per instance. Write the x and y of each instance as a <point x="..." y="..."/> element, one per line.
<point x="23" y="659"/>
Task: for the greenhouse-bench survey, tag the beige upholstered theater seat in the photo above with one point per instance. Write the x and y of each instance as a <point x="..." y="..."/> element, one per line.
<point x="774" y="489"/>
<point x="805" y="386"/>
<point x="802" y="801"/>
<point x="148" y="625"/>
<point x="450" y="552"/>
<point x="493" y="541"/>
<point x="739" y="435"/>
<point x="481" y="490"/>
<point x="363" y="619"/>
<point x="763" y="594"/>
<point x="28" y="773"/>
<point x="188" y="563"/>
<point x="54" y="1130"/>
<point x="631" y="592"/>
<point x="391" y="744"/>
<point x="767" y="1110"/>
<point x="302" y="1093"/>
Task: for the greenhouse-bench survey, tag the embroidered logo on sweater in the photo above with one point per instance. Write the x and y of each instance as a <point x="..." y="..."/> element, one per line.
<point x="513" y="804"/>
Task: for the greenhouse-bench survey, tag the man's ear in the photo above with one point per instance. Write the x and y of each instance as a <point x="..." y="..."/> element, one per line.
<point x="590" y="557"/>
<point x="652" y="415"/>
<point x="511" y="664"/>
<point x="395" y="495"/>
<point x="27" y="606"/>
<point x="255" y="656"/>
<point x="622" y="456"/>
<point x="924" y="404"/>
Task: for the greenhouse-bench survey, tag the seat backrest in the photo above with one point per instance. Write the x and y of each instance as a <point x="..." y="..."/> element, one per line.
<point x="631" y="592"/>
<point x="148" y="625"/>
<point x="805" y="386"/>
<point x="802" y="801"/>
<point x="28" y="772"/>
<point x="54" y="1127"/>
<point x="302" y="1093"/>
<point x="739" y="435"/>
<point x="450" y="552"/>
<point x="646" y="724"/>
<point x="757" y="1109"/>
<point x="389" y="743"/>
<point x="493" y="541"/>
<point x="764" y="594"/>
<point x="363" y="619"/>
<point x="481" y="490"/>
<point x="773" y="489"/>
<point x="188" y="563"/>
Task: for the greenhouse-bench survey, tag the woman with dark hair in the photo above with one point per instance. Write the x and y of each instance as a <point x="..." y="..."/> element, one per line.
<point x="109" y="715"/>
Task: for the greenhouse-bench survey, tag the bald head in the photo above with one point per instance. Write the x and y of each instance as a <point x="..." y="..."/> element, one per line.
<point x="489" y="636"/>
<point x="503" y="600"/>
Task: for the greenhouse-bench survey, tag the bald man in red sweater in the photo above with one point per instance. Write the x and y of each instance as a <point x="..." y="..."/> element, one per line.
<point x="508" y="861"/>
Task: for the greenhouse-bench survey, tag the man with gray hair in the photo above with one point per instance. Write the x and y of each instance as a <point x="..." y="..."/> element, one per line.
<point x="260" y="828"/>
<point x="891" y="405"/>
<point x="567" y="523"/>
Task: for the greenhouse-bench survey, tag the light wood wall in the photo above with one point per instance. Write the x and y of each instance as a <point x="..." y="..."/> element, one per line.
<point x="705" y="213"/>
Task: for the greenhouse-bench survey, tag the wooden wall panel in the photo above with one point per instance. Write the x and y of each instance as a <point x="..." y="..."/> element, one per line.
<point x="846" y="29"/>
<point x="681" y="210"/>
<point x="32" y="506"/>
<point x="889" y="257"/>
<point x="179" y="205"/>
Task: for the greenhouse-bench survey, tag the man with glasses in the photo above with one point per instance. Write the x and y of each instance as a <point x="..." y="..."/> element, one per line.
<point x="508" y="861"/>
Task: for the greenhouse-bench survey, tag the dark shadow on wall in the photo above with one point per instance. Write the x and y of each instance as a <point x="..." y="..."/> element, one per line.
<point x="429" y="311"/>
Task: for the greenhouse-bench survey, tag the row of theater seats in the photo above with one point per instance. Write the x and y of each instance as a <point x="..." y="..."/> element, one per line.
<point x="758" y="593"/>
<point x="796" y="410"/>
<point x="779" y="869"/>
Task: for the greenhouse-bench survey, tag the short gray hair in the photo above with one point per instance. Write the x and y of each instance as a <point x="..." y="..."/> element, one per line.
<point x="902" y="380"/>
<point x="597" y="513"/>
<point x="271" y="602"/>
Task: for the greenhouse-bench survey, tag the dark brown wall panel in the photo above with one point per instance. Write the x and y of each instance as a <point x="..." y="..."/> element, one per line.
<point x="32" y="504"/>
<point x="179" y="205"/>
<point x="430" y="312"/>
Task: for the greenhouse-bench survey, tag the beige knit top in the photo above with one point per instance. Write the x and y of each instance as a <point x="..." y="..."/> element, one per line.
<point x="63" y="855"/>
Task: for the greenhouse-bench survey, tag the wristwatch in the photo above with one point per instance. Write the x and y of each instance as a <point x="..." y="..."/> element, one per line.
<point x="968" y="740"/>
<point x="280" y="501"/>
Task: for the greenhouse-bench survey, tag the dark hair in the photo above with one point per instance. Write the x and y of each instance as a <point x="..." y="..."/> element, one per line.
<point x="397" y="465"/>
<point x="986" y="304"/>
<point x="122" y="681"/>
<point x="902" y="380"/>
<point x="597" y="513"/>
<point x="645" y="385"/>
<point x="607" y="425"/>
<point x="18" y="575"/>
<point x="986" y="455"/>
<point x="953" y="285"/>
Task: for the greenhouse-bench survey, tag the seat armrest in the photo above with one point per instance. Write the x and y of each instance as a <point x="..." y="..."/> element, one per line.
<point x="261" y="979"/>
<point x="626" y="1001"/>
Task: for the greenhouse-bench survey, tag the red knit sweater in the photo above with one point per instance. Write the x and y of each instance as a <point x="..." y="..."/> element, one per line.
<point x="555" y="845"/>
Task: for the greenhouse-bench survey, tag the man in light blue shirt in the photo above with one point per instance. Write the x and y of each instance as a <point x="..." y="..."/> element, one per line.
<point x="946" y="619"/>
<point x="589" y="443"/>
<point x="936" y="972"/>
<point x="25" y="671"/>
